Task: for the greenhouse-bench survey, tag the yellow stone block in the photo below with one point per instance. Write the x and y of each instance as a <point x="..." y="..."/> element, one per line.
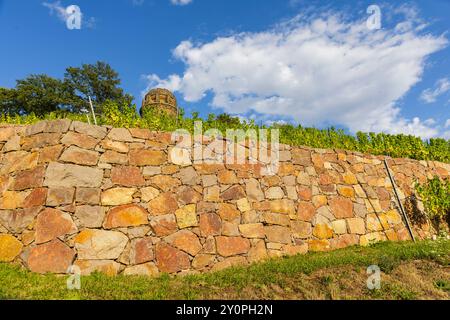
<point x="373" y="224"/>
<point x="370" y="238"/>
<point x="393" y="217"/>
<point x="118" y="196"/>
<point x="384" y="221"/>
<point x="186" y="216"/>
<point x="322" y="231"/>
<point x="345" y="191"/>
<point x="318" y="245"/>
<point x="349" y="178"/>
<point x="10" y="248"/>
<point x="243" y="205"/>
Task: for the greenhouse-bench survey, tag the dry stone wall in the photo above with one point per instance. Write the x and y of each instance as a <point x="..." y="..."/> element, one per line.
<point x="110" y="200"/>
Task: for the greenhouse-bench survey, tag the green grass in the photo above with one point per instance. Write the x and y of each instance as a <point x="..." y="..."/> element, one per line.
<point x="17" y="283"/>
<point x="398" y="291"/>
<point x="443" y="285"/>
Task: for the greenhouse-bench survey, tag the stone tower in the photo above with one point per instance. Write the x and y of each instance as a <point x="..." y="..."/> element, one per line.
<point x="161" y="99"/>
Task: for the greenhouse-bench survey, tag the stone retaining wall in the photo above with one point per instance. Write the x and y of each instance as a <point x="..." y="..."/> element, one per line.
<point x="109" y="199"/>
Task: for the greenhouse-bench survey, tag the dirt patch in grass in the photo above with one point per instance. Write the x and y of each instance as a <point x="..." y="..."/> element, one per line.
<point x="411" y="280"/>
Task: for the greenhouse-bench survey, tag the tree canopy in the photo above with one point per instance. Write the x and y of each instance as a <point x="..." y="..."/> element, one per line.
<point x="99" y="81"/>
<point x="41" y="94"/>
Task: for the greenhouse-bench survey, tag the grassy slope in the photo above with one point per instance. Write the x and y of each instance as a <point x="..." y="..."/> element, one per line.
<point x="410" y="271"/>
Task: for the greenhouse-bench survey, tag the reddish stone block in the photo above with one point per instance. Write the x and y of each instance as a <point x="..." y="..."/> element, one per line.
<point x="170" y="259"/>
<point x="128" y="215"/>
<point x="141" y="157"/>
<point x="210" y="224"/>
<point x="341" y="207"/>
<point x="51" y="224"/>
<point x="305" y="211"/>
<point x="230" y="246"/>
<point x="28" y="179"/>
<point x="127" y="176"/>
<point x="54" y="257"/>
<point x="233" y="193"/>
<point x="36" y="198"/>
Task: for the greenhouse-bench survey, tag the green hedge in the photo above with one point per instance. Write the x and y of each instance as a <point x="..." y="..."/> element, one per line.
<point x="399" y="145"/>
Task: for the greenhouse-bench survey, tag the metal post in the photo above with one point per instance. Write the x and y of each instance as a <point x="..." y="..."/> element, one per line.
<point x="398" y="200"/>
<point x="92" y="109"/>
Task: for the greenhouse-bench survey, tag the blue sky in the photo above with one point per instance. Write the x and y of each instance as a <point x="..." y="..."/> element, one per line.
<point x="309" y="62"/>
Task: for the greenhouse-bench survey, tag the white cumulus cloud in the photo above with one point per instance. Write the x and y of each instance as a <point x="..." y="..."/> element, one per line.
<point x="318" y="70"/>
<point x="430" y="95"/>
<point x="58" y="9"/>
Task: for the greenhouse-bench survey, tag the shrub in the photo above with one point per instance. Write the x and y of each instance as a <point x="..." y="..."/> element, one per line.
<point x="435" y="194"/>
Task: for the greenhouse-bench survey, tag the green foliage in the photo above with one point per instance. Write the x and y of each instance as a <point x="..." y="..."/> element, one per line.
<point x="159" y="120"/>
<point x="399" y="145"/>
<point x="124" y="115"/>
<point x="42" y="94"/>
<point x="8" y="102"/>
<point x="435" y="194"/>
<point x="32" y="118"/>
<point x="39" y="94"/>
<point x="99" y="81"/>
